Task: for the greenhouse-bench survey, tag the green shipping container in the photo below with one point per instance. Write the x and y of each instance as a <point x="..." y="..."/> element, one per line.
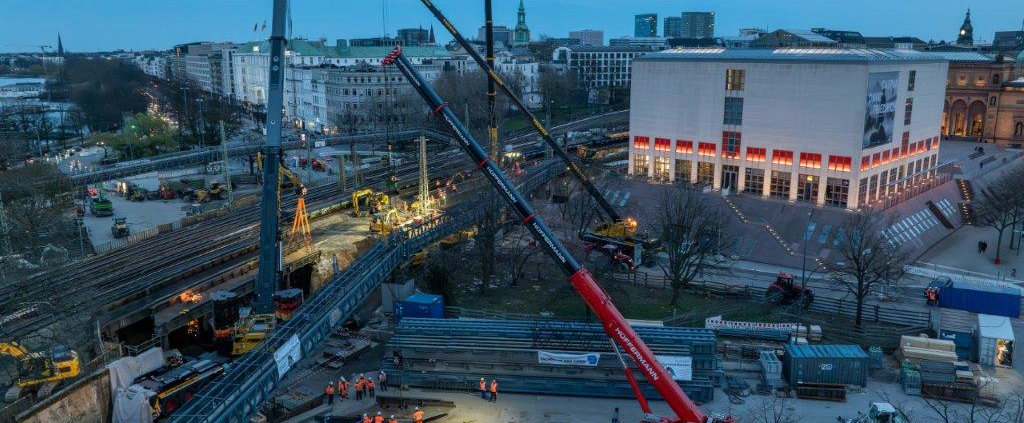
<point x="835" y="364"/>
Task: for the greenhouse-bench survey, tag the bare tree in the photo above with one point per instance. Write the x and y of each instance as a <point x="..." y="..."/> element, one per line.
<point x="486" y="238"/>
<point x="772" y="409"/>
<point x="867" y="258"/>
<point x="1001" y="204"/>
<point x="691" y="234"/>
<point x="36" y="197"/>
<point x="523" y="249"/>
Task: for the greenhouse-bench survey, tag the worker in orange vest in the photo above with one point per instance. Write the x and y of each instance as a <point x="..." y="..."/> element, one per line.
<point x="392" y="419"/>
<point x="370" y="386"/>
<point x="417" y="416"/>
<point x="366" y="418"/>
<point x="329" y="391"/>
<point x="483" y="389"/>
<point x="343" y="388"/>
<point x="494" y="390"/>
<point x="359" y="389"/>
<point x="378" y="418"/>
<point x="362" y="378"/>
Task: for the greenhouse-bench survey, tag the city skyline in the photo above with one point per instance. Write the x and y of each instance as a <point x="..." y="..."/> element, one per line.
<point x="119" y="24"/>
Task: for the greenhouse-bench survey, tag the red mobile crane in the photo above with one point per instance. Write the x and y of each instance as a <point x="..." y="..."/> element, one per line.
<point x="582" y="281"/>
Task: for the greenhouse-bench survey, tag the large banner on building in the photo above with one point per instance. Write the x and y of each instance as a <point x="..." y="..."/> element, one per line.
<point x="680" y="367"/>
<point x="568" y="359"/>
<point x="881" y="108"/>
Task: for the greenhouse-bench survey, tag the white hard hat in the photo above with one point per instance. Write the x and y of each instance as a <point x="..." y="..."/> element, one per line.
<point x="417" y="408"/>
<point x="378" y="413"/>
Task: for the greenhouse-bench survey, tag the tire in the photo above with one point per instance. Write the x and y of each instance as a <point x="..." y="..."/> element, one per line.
<point x="774" y="296"/>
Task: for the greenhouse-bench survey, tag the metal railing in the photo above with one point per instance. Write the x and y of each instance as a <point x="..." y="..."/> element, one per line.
<point x="239" y="393"/>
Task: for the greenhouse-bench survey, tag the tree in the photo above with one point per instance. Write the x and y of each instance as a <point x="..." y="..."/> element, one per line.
<point x="524" y="247"/>
<point x="1001" y="204"/>
<point x="486" y="238"/>
<point x="36" y="196"/>
<point x="866" y="257"/>
<point x="691" y="231"/>
<point x="105" y="90"/>
<point x="772" y="409"/>
<point x="562" y="89"/>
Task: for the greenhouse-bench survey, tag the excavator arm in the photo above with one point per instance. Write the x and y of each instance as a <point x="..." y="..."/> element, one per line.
<point x="12" y="349"/>
<point x="615" y="325"/>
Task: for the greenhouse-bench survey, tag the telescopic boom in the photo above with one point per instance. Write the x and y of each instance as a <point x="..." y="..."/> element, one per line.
<point x="582" y="281"/>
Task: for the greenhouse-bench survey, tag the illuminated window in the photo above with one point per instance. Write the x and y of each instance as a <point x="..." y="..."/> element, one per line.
<point x="782" y="157"/>
<point x="684" y="147"/>
<point x="876" y="160"/>
<point x="840" y="163"/>
<point x="642" y="143"/>
<point x="640" y="164"/>
<point x="705" y="173"/>
<point x="755" y="154"/>
<point x="683" y="168"/>
<point x="905" y="145"/>
<point x="661" y="169"/>
<point x="935" y="141"/>
<point x="885" y="156"/>
<point x="662" y="144"/>
<point x="895" y="154"/>
<point x="865" y="163"/>
<point x="810" y="160"/>
<point x="734" y="79"/>
<point x="731" y="145"/>
<point x="706" y="149"/>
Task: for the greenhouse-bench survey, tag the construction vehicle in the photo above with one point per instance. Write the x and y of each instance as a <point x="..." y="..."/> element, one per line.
<point x="785" y="290"/>
<point x="216" y="191"/>
<point x="120" y="228"/>
<point x="100" y="206"/>
<point x="166" y="192"/>
<point x="176" y="383"/>
<point x="883" y="412"/>
<point x="384" y="222"/>
<point x="458" y="238"/>
<point x="317" y="164"/>
<point x="374" y="201"/>
<point x="251" y="331"/>
<point x="40" y="373"/>
<point x="597" y="299"/>
<point x="616" y="224"/>
<point x="286" y="178"/>
<point x="196" y="195"/>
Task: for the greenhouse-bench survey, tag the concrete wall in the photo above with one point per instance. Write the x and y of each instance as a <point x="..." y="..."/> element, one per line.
<point x="85" y="401"/>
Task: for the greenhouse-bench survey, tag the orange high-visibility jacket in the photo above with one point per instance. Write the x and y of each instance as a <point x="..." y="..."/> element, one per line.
<point x="494" y="386"/>
<point x="418" y="416"/>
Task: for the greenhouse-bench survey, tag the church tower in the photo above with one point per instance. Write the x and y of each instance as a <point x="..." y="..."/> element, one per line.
<point x="521" y="36"/>
<point x="966" y="37"/>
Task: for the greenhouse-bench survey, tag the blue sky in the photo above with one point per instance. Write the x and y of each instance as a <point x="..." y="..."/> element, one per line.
<point x="91" y="25"/>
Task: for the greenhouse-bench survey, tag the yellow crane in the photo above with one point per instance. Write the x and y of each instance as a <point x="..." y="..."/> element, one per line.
<point x="40" y="372"/>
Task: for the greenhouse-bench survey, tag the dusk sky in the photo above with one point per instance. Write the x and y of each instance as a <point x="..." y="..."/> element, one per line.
<point x="148" y="24"/>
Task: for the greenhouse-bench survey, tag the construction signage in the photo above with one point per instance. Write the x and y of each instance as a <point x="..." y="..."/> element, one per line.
<point x="568" y="359"/>
<point x="287" y="355"/>
<point x="681" y="368"/>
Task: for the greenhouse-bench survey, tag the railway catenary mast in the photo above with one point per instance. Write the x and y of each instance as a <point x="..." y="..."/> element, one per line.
<point x="615" y="325"/>
<point x="487" y="66"/>
<point x="270" y="206"/>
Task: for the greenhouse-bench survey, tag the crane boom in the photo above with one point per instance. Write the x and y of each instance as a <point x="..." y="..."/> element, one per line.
<point x="615" y="325"/>
<point x="270" y="205"/>
<point x="574" y="168"/>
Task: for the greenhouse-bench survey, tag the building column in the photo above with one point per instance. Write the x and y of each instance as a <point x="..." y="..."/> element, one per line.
<point x="741" y="179"/>
<point x="822" y="181"/>
<point x="716" y="181"/>
<point x="766" y="183"/>
<point x="794" y="184"/>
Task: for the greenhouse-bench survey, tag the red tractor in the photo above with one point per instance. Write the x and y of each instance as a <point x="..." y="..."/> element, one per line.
<point x="786" y="291"/>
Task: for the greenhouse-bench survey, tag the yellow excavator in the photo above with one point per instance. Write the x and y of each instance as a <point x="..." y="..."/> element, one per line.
<point x="251" y="331"/>
<point x="375" y="201"/>
<point x="384" y="222"/>
<point x="40" y="372"/>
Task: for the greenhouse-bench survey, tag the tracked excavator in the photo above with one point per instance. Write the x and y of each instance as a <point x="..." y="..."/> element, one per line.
<point x="619" y="331"/>
<point x="375" y="201"/>
<point x="39" y="373"/>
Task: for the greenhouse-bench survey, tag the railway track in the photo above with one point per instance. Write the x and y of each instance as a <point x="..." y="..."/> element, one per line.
<point x="119" y="276"/>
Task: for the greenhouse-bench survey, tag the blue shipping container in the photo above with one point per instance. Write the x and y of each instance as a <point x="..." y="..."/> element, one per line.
<point x="963" y="340"/>
<point x="420" y="305"/>
<point x="993" y="298"/>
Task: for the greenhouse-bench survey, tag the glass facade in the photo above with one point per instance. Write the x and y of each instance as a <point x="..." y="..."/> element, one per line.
<point x="640" y="165"/>
<point x="683" y="168"/>
<point x="661" y="168"/>
<point x="705" y="173"/>
<point x="780" y="184"/>
<point x="754" y="182"/>
<point x="836" y="192"/>
<point x="807" y="190"/>
<point x="730" y="177"/>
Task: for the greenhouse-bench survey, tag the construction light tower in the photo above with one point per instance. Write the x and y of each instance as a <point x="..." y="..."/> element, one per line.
<point x="270" y="206"/>
<point x="424" y="178"/>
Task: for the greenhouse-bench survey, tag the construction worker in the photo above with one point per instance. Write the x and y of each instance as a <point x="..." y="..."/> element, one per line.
<point x="494" y="390"/>
<point x="378" y="418"/>
<point x="928" y="294"/>
<point x="370" y="387"/>
<point x="392" y="419"/>
<point x="359" y="389"/>
<point x="417" y="416"/>
<point x="383" y="378"/>
<point x="483" y="389"/>
<point x="343" y="388"/>
<point x="329" y="391"/>
<point x="366" y="418"/>
<point x="935" y="296"/>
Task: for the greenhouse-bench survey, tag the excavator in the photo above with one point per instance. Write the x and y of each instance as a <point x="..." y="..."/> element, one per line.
<point x="384" y="222"/>
<point x="40" y="372"/>
<point x="375" y="201"/>
<point x="616" y="236"/>
<point x="621" y="334"/>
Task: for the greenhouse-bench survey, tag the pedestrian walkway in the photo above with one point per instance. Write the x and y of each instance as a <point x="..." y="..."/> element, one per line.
<point x="957" y="256"/>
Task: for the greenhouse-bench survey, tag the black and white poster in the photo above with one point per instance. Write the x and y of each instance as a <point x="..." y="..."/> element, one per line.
<point x="881" y="108"/>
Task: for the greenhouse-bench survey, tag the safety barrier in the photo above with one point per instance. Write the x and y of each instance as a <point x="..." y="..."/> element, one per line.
<point x="239" y="393"/>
